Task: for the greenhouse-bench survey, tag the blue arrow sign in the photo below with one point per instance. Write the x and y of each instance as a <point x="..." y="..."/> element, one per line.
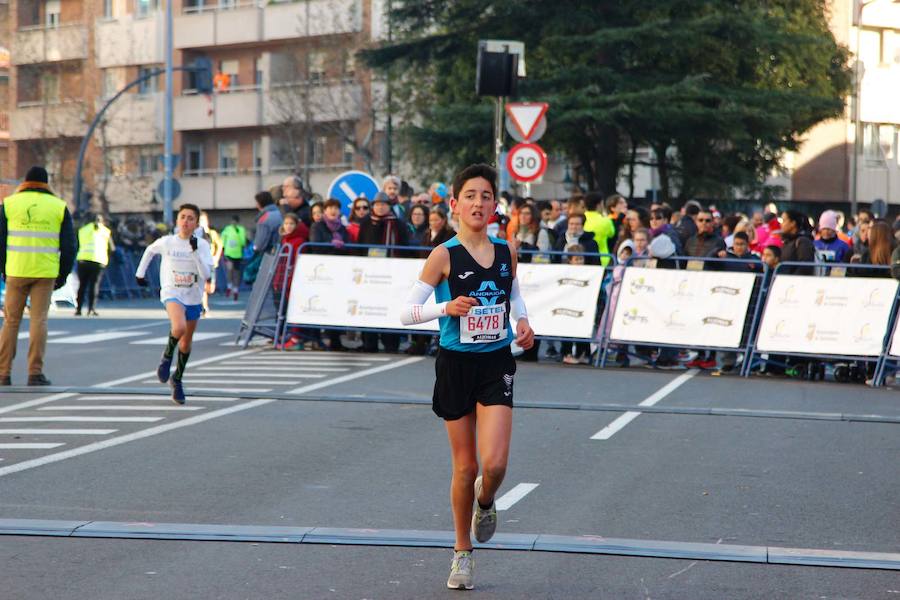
<point x="350" y="185"/>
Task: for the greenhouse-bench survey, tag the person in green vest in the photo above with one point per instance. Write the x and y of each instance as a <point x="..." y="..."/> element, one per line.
<point x="94" y="245"/>
<point x="599" y="224"/>
<point x="37" y="251"/>
<point x="234" y="240"/>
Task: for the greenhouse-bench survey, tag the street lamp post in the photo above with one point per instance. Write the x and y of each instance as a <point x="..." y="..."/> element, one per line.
<point x="857" y="98"/>
<point x="168" y="186"/>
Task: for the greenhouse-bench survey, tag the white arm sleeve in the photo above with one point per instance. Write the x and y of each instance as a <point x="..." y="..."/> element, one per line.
<point x="203" y="260"/>
<point x="151" y="251"/>
<point x="415" y="310"/>
<point x="516" y="303"/>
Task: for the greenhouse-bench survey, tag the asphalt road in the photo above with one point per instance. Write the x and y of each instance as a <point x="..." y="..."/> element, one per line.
<point x="271" y="442"/>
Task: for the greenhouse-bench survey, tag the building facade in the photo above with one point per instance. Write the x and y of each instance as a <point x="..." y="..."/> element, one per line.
<point x="288" y="96"/>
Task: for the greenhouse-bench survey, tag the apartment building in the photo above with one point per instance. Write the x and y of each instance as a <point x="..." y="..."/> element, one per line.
<point x="289" y="96"/>
<point x="6" y="176"/>
<point x="823" y="170"/>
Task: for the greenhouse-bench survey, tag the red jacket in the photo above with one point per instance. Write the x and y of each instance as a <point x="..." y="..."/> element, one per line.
<point x="296" y="239"/>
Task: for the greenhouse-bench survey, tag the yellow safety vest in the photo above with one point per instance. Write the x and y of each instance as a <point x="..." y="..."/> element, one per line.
<point x="33" y="221"/>
<point x="93" y="244"/>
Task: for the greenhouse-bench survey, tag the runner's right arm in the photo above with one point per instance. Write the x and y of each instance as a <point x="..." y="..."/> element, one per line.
<point x="151" y="251"/>
<point x="436" y="269"/>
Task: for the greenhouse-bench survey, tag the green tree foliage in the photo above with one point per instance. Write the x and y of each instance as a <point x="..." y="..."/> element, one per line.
<point x="720" y="90"/>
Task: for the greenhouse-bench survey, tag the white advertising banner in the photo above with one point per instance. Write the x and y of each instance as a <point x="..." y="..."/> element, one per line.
<point x="352" y="291"/>
<point x="826" y="315"/>
<point x="561" y="299"/>
<point x="693" y="308"/>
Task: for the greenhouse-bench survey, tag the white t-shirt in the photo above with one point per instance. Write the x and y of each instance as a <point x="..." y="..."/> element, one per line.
<point x="182" y="272"/>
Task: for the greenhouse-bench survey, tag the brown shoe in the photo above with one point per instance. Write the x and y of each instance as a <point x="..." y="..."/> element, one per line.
<point x="38" y="379"/>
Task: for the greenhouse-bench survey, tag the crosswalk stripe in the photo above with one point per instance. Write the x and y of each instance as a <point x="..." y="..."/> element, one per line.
<point x="188" y="380"/>
<point x="198" y="337"/>
<point x="256" y="374"/>
<point x="226" y="390"/>
<point x="263" y="367"/>
<point x="157" y="397"/>
<point x="334" y="356"/>
<point x="90" y="338"/>
<point x="121" y="407"/>
<point x="29" y="446"/>
<point x="80" y="419"/>
<point x="57" y="431"/>
<point x="23" y="335"/>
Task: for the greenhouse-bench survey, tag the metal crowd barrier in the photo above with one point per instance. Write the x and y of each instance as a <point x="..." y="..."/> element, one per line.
<point x="680" y="263"/>
<point x="828" y="270"/>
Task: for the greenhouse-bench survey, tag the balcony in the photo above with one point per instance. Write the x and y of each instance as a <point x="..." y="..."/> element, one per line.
<point x="35" y="45"/>
<point x="879" y="91"/>
<point x="134" y="119"/>
<point x="38" y="120"/>
<point x="247" y="22"/>
<point x="129" y="41"/>
<point x="249" y="106"/>
<point x="212" y="189"/>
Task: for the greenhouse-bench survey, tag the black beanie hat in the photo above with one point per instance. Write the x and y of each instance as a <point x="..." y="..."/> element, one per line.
<point x="37" y="174"/>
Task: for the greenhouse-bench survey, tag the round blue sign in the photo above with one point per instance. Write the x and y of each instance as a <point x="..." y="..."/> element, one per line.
<point x="350" y="185"/>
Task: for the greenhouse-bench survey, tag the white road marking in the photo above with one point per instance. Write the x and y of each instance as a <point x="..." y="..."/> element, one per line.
<point x="90" y="338"/>
<point x="327" y="357"/>
<point x="57" y="431"/>
<point x="351" y="376"/>
<point x="80" y="419"/>
<point x="121" y="407"/>
<point x="23" y="335"/>
<point x="152" y="397"/>
<point x="188" y="380"/>
<point x="225" y="390"/>
<point x="232" y="375"/>
<point x="138" y="326"/>
<point x="198" y="337"/>
<point x="614" y="427"/>
<point x="261" y="367"/>
<point x="29" y="447"/>
<point x="505" y="501"/>
<point x="109" y="443"/>
<point x="195" y="363"/>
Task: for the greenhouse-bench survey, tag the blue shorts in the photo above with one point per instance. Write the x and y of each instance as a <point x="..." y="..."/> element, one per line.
<point x="191" y="311"/>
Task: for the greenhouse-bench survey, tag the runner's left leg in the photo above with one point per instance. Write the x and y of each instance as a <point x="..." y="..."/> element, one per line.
<point x="494" y="426"/>
<point x="184" y="348"/>
<point x="461" y="434"/>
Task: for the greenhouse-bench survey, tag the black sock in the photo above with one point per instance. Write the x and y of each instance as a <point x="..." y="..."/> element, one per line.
<point x="170" y="347"/>
<point x="482" y="506"/>
<point x="182" y="362"/>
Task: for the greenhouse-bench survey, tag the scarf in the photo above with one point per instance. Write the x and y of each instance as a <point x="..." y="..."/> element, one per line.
<point x="334" y="226"/>
<point x="573" y="238"/>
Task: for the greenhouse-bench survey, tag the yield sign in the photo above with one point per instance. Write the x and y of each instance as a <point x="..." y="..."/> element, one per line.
<point x="526" y="116"/>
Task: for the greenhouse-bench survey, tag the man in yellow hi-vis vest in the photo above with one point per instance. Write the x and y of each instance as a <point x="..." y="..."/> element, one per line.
<point x="37" y="250"/>
<point x="94" y="245"/>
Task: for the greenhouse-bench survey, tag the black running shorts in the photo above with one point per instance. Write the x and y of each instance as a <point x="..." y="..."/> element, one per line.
<point x="464" y="378"/>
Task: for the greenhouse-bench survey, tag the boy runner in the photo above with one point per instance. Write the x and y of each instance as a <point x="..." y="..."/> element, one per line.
<point x="185" y="268"/>
<point x="473" y="277"/>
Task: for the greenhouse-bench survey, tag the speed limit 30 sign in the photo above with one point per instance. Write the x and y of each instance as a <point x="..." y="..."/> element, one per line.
<point x="526" y="162"/>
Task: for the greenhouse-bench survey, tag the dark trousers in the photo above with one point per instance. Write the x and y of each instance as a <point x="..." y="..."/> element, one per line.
<point x="89" y="273"/>
<point x="391" y="341"/>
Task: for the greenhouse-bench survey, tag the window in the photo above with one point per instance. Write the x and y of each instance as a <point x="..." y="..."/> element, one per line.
<point x="230" y="68"/>
<point x="50" y="87"/>
<point x="107" y="9"/>
<point x="53" y="8"/>
<point x="257" y="156"/>
<point x="226" y="4"/>
<point x="349" y="63"/>
<point x="315" y="149"/>
<point x="194" y="160"/>
<point x="228" y="157"/>
<point x="147" y="86"/>
<point x="112" y="81"/>
<point x="114" y="163"/>
<point x="144" y="8"/>
<point x="349" y="153"/>
<point x="316" y="62"/>
<point x="257" y="72"/>
<point x="150" y="160"/>
<point x="878" y="143"/>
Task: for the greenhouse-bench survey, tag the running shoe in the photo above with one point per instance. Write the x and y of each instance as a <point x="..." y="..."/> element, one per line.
<point x="162" y="371"/>
<point x="484" y="522"/>
<point x="177" y="391"/>
<point x="462" y="571"/>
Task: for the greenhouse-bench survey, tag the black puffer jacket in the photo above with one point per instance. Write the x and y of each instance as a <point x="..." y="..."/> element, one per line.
<point x="797" y="248"/>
